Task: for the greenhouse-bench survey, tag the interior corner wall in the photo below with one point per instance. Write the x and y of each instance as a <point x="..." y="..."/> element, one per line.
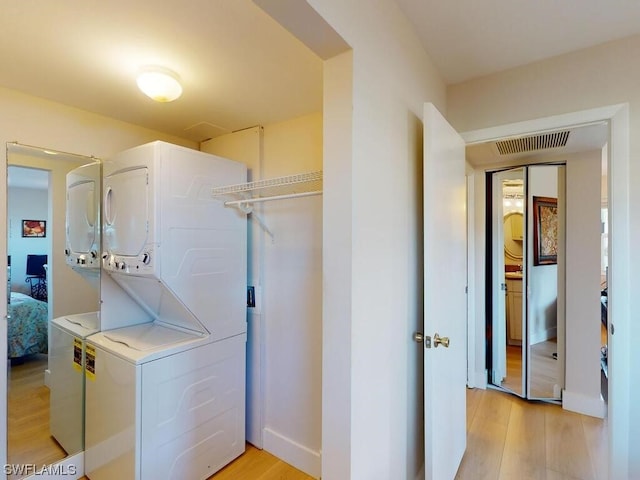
<point x="292" y="293"/>
<point x="337" y="269"/>
<point x="392" y="77"/>
<point x="595" y="77"/>
<point x="33" y="121"/>
<point x="583" y="234"/>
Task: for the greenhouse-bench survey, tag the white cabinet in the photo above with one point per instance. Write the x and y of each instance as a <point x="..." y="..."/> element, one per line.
<point x="514" y="310"/>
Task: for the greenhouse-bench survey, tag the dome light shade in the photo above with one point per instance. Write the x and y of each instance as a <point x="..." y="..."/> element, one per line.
<point x="159" y="84"/>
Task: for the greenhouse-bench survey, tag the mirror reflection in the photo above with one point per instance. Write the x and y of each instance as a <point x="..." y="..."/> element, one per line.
<point x="525" y="357"/>
<point x="510" y="205"/>
<point x="53" y="297"/>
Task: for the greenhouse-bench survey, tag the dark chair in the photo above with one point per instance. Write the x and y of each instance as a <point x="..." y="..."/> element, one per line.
<point x="37" y="276"/>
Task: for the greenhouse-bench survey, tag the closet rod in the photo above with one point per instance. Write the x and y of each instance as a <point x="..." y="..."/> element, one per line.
<point x="267" y="199"/>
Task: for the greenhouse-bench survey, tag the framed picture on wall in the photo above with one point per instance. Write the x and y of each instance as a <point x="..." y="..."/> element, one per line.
<point x="545" y="231"/>
<point x="34" y="228"/>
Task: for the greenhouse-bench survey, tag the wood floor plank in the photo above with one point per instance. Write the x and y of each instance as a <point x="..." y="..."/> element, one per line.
<point x="553" y="475"/>
<point x="257" y="464"/>
<point x="595" y="431"/>
<point x="511" y="438"/>
<point x="28" y="437"/>
<point x="525" y="452"/>
<point x="474" y="395"/>
<point x="495" y="406"/>
<point x="485" y="438"/>
<point x="566" y="446"/>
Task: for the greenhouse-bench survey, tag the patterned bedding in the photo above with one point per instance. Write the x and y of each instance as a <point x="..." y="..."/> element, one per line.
<point x="27" y="326"/>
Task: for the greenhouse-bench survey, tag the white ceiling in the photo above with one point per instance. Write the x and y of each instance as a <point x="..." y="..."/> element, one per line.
<point x="236" y="63"/>
<point x="472" y="38"/>
<point x="581" y="139"/>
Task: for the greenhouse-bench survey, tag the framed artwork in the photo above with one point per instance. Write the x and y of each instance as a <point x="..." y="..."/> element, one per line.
<point x="545" y="231"/>
<point x="34" y="228"/>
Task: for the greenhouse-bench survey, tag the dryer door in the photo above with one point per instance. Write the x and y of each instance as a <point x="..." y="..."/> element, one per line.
<point x="81" y="217"/>
<point x="126" y="212"/>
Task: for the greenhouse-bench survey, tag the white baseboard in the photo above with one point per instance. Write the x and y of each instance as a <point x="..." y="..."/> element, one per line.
<point x="579" y="403"/>
<point x="293" y="453"/>
<point x="479" y="380"/>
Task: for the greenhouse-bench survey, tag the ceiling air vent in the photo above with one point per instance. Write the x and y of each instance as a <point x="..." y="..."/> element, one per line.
<point x="533" y="143"/>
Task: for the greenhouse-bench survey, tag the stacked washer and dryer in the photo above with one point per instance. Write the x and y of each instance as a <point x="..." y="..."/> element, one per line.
<point x="68" y="332"/>
<point x="165" y="376"/>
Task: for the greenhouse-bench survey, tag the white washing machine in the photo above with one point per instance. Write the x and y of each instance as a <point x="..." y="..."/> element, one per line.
<point x="66" y="379"/>
<point x="165" y="395"/>
<point x="163" y="405"/>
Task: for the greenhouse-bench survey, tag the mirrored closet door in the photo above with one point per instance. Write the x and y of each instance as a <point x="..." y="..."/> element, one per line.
<point x="45" y="404"/>
<point x="526" y="265"/>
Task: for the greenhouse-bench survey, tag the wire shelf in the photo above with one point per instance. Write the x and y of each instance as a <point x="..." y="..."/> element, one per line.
<point x="291" y="186"/>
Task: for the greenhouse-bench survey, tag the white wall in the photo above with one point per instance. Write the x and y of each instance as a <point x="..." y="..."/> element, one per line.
<point x="25" y="203"/>
<point x="68" y="291"/>
<point x="582" y="386"/>
<point x="337" y="269"/>
<point x="372" y="246"/>
<point x="605" y="75"/>
<point x="33" y="121"/>
<point x="293" y="299"/>
<point x="288" y="271"/>
<point x="543" y="279"/>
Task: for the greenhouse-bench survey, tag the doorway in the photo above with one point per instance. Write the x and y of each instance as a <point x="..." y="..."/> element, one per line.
<point x="525" y="259"/>
<point x="616" y="119"/>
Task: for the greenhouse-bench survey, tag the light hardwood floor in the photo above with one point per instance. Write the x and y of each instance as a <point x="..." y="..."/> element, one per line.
<point x="28" y="438"/>
<point x="29" y="441"/>
<point x="257" y="464"/>
<point x="545" y="374"/>
<point x="510" y="438"/>
<point x="507" y="438"/>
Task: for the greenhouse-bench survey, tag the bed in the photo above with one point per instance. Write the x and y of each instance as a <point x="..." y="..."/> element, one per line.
<point x="27" y="326"/>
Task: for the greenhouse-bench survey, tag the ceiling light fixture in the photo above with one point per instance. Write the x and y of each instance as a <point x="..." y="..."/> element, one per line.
<point x="159" y="84"/>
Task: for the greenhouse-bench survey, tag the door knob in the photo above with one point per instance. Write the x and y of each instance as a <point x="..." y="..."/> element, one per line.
<point x="438" y="340"/>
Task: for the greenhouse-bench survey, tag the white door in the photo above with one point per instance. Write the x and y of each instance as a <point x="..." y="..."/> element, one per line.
<point x="445" y="255"/>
